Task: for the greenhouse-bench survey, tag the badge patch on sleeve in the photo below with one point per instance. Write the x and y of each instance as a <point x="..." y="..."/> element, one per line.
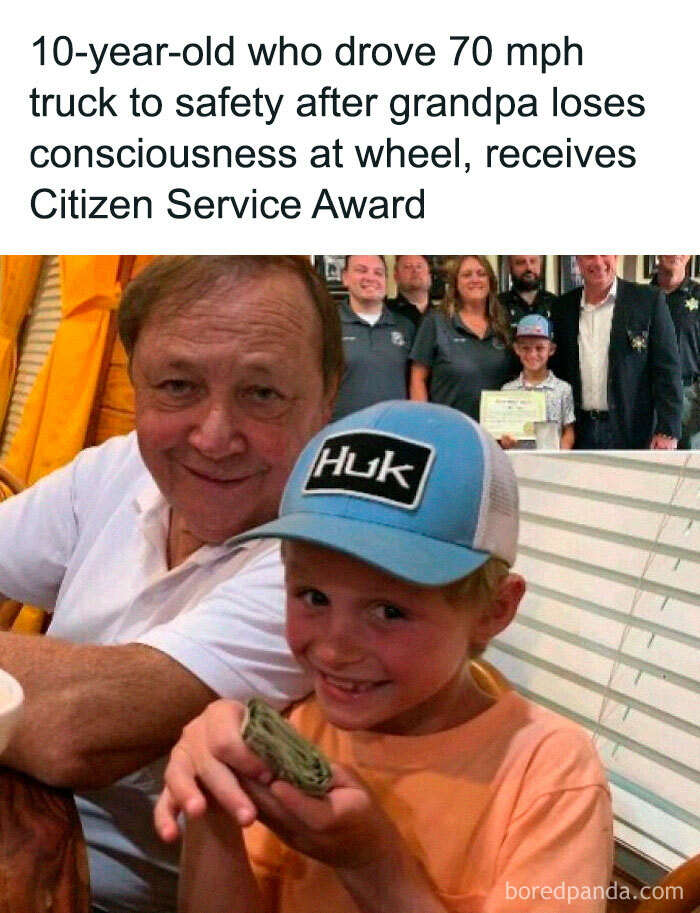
<point x="369" y="464"/>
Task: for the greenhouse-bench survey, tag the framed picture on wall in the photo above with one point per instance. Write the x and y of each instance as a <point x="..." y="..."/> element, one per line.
<point x="330" y="267"/>
<point x="650" y="265"/>
<point x="503" y="273"/>
<point x="569" y="273"/>
<point x="696" y="265"/>
<point x="439" y="265"/>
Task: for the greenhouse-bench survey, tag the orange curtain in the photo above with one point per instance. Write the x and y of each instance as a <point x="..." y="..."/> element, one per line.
<point x="20" y="277"/>
<point x="56" y="416"/>
<point x="114" y="413"/>
<point x="59" y="407"/>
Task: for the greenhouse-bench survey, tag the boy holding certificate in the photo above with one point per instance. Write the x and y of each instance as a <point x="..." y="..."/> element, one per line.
<point x="534" y="347"/>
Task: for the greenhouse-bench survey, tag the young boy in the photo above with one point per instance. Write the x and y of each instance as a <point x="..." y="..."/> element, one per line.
<point x="534" y="347"/>
<point x="400" y="525"/>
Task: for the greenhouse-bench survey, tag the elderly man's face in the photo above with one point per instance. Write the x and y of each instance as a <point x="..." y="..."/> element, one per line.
<point x="598" y="272"/>
<point x="228" y="391"/>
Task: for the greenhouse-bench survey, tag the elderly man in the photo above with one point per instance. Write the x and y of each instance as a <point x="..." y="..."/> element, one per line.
<point x="234" y="361"/>
<point x="376" y="341"/>
<point x="413" y="280"/>
<point x="526" y="296"/>
<point x="683" y="299"/>
<point x="617" y="348"/>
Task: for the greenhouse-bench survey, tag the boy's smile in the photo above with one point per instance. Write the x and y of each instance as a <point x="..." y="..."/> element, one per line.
<point x="534" y="353"/>
<point x="385" y="655"/>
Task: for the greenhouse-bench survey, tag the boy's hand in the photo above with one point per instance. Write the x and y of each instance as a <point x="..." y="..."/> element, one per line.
<point x="211" y="756"/>
<point x="345" y="829"/>
<point x="507" y="442"/>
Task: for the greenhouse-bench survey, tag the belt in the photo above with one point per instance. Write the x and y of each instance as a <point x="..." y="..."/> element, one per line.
<point x="595" y="415"/>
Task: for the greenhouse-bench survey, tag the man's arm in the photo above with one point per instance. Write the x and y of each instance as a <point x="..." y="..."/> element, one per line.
<point x="665" y="372"/>
<point x="93" y="714"/>
<point x="419" y="383"/>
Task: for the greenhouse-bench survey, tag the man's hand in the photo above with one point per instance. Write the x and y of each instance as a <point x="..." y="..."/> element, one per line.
<point x="663" y="442"/>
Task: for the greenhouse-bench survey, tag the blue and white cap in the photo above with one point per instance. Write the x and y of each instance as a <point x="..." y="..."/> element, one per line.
<point x="534" y="325"/>
<point x="417" y="490"/>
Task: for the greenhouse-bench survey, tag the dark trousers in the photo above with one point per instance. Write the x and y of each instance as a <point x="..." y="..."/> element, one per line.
<point x="594" y="431"/>
<point x="691" y="417"/>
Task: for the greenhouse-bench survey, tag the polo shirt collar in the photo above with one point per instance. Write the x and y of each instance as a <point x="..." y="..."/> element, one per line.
<point x="548" y="383"/>
<point x="683" y="288"/>
<point x="459" y="325"/>
<point x="349" y="316"/>
<point x="153" y="513"/>
<point x="150" y="504"/>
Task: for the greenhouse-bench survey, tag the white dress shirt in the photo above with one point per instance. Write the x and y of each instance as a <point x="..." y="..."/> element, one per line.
<point x="595" y="322"/>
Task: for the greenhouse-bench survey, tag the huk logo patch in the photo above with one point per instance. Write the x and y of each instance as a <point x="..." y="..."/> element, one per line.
<point x="369" y="464"/>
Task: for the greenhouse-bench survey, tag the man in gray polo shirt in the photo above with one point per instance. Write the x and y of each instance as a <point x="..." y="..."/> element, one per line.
<point x="376" y="341"/>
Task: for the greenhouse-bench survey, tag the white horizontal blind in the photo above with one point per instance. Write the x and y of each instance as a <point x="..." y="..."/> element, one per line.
<point x="609" y="631"/>
<point x="35" y="341"/>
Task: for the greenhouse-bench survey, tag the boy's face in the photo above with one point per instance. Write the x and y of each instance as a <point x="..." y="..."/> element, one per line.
<point x="533" y="351"/>
<point x="384" y="655"/>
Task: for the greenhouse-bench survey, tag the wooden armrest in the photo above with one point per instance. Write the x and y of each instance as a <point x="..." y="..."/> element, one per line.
<point x="686" y="880"/>
<point x="488" y="678"/>
<point x="9" y="610"/>
<point x="43" y="858"/>
<point x="10" y="482"/>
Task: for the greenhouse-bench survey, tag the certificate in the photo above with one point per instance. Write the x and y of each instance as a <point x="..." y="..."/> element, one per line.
<point x="512" y="412"/>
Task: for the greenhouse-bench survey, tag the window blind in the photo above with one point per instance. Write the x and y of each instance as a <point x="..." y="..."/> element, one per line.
<point x="608" y="632"/>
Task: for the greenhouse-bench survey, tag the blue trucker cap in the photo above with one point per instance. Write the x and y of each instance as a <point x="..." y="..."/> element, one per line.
<point x="417" y="490"/>
<point x="534" y="325"/>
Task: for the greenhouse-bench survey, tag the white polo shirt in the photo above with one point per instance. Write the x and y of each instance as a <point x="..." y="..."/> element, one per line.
<point x="595" y="324"/>
<point x="89" y="543"/>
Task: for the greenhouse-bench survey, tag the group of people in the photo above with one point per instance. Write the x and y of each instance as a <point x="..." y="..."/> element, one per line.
<point x="618" y="362"/>
<point x="158" y="555"/>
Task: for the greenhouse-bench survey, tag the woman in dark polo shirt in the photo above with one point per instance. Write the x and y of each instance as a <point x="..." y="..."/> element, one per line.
<point x="463" y="347"/>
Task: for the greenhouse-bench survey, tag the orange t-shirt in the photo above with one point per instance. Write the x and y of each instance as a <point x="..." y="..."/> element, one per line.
<point x="496" y="809"/>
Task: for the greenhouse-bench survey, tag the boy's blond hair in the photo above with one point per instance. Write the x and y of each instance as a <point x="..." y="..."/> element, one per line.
<point x="477" y="590"/>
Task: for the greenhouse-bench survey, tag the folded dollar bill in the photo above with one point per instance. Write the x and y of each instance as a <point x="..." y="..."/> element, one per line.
<point x="289" y="755"/>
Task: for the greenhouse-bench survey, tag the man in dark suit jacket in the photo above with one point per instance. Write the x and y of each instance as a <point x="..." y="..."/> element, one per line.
<point x="617" y="348"/>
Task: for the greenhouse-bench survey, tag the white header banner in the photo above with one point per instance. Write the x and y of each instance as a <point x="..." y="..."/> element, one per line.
<point x="172" y="128"/>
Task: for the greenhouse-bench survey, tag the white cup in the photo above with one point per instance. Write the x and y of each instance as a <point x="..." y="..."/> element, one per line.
<point x="11" y="700"/>
<point x="546" y="435"/>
